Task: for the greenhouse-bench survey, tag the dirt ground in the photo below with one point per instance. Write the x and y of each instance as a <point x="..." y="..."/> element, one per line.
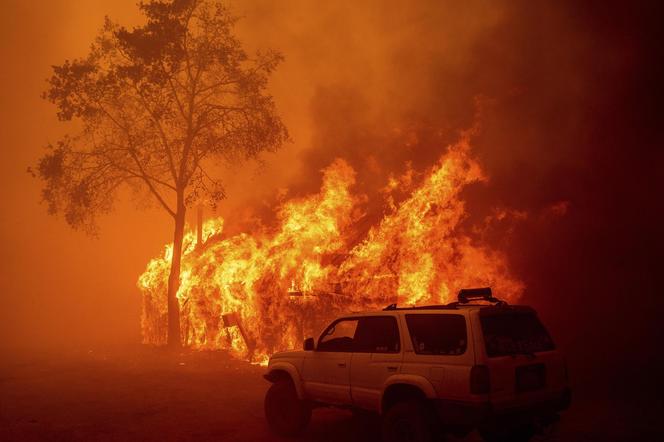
<point x="149" y="395"/>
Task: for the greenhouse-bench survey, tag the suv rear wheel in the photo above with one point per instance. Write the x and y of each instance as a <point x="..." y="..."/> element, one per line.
<point x="286" y="414"/>
<point x="408" y="421"/>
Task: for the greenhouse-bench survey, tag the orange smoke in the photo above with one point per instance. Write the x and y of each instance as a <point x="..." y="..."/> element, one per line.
<point x="253" y="294"/>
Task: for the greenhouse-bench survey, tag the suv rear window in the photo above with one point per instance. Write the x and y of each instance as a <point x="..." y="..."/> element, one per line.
<point x="514" y="333"/>
<point x="437" y="334"/>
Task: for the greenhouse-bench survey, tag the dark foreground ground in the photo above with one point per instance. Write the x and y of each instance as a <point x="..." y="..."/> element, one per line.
<point x="148" y="395"/>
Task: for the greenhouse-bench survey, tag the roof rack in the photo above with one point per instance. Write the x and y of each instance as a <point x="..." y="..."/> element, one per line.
<point x="465" y="296"/>
<point x="423" y="307"/>
<point x="478" y="294"/>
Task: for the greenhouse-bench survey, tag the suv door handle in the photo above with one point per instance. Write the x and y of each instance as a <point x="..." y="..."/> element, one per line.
<point x="391" y="368"/>
<point x="341" y="365"/>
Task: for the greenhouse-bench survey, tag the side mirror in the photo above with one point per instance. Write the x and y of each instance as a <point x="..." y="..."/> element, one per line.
<point x="308" y="344"/>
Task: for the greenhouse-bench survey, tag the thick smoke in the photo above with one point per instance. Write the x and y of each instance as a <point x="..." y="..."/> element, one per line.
<point x="566" y="98"/>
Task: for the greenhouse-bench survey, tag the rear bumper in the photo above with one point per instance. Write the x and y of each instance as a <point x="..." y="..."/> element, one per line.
<point x="480" y="413"/>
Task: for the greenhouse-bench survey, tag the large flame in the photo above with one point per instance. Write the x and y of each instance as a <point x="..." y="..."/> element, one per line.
<point x="254" y="294"/>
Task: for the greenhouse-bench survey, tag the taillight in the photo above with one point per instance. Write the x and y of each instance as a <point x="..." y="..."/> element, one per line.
<point x="480" y="382"/>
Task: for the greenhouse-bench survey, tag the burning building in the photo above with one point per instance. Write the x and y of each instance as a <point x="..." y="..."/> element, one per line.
<point x="260" y="292"/>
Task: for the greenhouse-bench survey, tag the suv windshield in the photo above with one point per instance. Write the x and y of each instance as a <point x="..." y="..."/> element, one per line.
<point x="513" y="333"/>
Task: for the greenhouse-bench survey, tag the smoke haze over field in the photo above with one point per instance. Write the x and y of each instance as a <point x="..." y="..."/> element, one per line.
<point x="567" y="99"/>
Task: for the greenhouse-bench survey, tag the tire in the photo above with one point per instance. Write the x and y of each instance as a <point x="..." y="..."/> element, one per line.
<point x="408" y="421"/>
<point x="286" y="414"/>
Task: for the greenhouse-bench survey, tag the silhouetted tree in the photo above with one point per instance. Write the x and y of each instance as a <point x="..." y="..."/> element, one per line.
<point x="158" y="105"/>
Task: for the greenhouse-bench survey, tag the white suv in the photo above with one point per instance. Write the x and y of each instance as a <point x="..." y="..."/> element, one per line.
<point x="476" y="363"/>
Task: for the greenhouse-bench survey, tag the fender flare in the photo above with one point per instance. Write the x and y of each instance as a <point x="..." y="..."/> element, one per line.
<point x="292" y="372"/>
<point x="419" y="382"/>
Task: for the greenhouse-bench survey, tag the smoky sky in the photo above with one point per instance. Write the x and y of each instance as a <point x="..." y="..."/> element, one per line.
<point x="566" y="97"/>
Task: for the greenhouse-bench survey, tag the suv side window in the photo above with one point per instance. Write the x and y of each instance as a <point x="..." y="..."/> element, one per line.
<point x="377" y="334"/>
<point x="438" y="334"/>
<point x="338" y="336"/>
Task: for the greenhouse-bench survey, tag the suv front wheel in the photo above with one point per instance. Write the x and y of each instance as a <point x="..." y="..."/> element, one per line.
<point x="286" y="414"/>
<point x="408" y="421"/>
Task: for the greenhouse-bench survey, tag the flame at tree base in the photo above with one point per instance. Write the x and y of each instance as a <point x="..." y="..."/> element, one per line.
<point x="254" y="294"/>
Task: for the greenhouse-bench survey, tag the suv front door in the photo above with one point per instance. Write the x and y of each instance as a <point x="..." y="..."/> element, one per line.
<point x="326" y="370"/>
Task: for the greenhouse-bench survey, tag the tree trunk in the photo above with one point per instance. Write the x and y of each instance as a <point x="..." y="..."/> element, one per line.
<point x="174" y="339"/>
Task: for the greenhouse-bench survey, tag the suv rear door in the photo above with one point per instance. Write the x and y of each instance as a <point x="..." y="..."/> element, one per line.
<point x="524" y="365"/>
<point x="377" y="355"/>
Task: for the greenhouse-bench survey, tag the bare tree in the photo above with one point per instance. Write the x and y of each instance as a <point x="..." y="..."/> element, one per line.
<point x="158" y="106"/>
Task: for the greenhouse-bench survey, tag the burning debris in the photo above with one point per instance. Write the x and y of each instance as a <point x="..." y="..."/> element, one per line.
<point x="257" y="293"/>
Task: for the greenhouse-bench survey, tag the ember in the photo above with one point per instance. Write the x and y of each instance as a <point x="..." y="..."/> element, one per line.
<point x="253" y="294"/>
